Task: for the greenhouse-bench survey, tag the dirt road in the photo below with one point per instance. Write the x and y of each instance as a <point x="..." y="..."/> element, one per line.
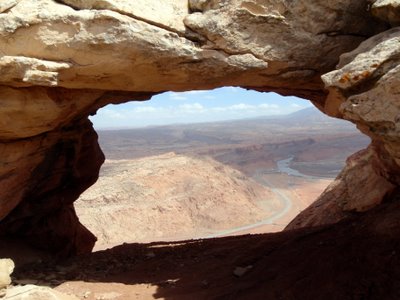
<point x="286" y="202"/>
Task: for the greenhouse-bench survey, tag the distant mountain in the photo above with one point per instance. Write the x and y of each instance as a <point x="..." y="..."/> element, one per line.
<point x="312" y="115"/>
<point x="201" y="137"/>
<point x="306" y="113"/>
<point x="304" y="116"/>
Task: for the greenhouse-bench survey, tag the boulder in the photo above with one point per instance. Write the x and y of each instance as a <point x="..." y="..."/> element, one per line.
<point x="33" y="292"/>
<point x="6" y="269"/>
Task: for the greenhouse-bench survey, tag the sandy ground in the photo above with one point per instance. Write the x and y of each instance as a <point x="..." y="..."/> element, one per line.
<point x="356" y="259"/>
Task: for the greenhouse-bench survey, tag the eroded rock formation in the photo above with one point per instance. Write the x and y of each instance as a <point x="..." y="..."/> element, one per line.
<point x="62" y="60"/>
<point x="364" y="90"/>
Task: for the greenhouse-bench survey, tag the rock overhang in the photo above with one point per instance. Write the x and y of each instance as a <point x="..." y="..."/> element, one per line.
<point x="62" y="60"/>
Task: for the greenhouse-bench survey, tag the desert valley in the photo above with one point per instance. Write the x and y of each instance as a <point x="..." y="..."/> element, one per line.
<point x="181" y="182"/>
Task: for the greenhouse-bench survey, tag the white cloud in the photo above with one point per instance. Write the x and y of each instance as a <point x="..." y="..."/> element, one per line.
<point x="145" y="109"/>
<point x="232" y="108"/>
<point x="110" y="114"/>
<point x="268" y="106"/>
<point x="244" y="108"/>
<point x="192" y="108"/>
<point x="241" y="106"/>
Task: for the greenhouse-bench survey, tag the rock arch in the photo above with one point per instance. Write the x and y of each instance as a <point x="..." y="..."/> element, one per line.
<point x="62" y="60"/>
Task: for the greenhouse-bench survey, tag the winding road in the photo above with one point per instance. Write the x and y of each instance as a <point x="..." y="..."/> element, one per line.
<point x="283" y="167"/>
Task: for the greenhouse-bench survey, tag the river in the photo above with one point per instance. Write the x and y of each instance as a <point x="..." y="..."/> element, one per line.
<point x="286" y="202"/>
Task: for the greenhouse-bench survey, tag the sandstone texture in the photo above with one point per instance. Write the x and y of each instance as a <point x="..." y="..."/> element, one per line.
<point x="365" y="91"/>
<point x="6" y="268"/>
<point x="62" y="60"/>
<point x="387" y="10"/>
<point x="96" y="44"/>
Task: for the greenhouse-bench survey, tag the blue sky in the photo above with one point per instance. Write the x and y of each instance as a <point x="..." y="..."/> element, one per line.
<point x="226" y="103"/>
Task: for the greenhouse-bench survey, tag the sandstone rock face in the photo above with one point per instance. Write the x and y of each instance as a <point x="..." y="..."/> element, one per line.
<point x="265" y="29"/>
<point x="42" y="177"/>
<point x="167" y="14"/>
<point x="6" y="268"/>
<point x="62" y="60"/>
<point x="265" y="44"/>
<point x="387" y="10"/>
<point x="365" y="91"/>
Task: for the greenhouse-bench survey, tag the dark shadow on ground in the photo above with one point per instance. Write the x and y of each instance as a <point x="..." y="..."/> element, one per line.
<point x="354" y="259"/>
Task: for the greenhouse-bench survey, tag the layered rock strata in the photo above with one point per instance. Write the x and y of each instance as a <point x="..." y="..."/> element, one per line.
<point x="62" y="60"/>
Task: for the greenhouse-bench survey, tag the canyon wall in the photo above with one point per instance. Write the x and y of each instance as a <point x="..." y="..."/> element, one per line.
<point x="62" y="60"/>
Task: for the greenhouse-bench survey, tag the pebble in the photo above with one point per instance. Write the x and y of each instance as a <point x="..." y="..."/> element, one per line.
<point x="86" y="294"/>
